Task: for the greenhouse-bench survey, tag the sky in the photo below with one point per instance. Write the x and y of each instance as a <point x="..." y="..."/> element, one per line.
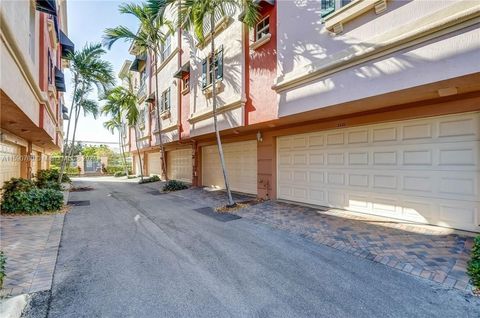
<point x="87" y="19"/>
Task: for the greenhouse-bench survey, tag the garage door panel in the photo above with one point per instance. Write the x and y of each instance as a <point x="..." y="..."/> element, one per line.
<point x="180" y="165"/>
<point x="415" y="170"/>
<point x="10" y="162"/>
<point x="154" y="163"/>
<point x="241" y="162"/>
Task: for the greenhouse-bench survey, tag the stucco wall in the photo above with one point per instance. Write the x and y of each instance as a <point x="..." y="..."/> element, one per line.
<point x="448" y="56"/>
<point x="233" y="83"/>
<point x="262" y="103"/>
<point x="15" y="16"/>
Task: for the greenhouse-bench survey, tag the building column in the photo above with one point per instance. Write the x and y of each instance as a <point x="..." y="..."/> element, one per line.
<point x="266" y="167"/>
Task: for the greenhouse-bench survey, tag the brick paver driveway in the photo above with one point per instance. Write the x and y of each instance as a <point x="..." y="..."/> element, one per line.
<point x="434" y="253"/>
<point x="30" y="244"/>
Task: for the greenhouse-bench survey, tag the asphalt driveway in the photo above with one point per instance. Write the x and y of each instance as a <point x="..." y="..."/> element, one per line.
<point x="131" y="253"/>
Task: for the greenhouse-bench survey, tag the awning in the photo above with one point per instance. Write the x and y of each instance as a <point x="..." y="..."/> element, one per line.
<point x="272" y="2"/>
<point x="185" y="69"/>
<point x="59" y="80"/>
<point x="65" y="117"/>
<point x="47" y="6"/>
<point x="67" y="45"/>
<point x="64" y="109"/>
<point x="150" y="98"/>
<point x="136" y="63"/>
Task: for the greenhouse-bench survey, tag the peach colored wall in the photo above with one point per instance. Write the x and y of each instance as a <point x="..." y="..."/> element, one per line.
<point x="262" y="103"/>
<point x="185" y="114"/>
<point x="266" y="169"/>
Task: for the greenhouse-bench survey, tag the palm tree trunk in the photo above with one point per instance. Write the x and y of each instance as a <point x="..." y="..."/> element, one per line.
<point x="231" y="203"/>
<point x="159" y="122"/>
<point x="77" y="116"/>
<point x="122" y="150"/>
<point x="65" y="142"/>
<point x="138" y="152"/>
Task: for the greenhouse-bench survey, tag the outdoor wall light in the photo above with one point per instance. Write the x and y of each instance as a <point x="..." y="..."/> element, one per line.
<point x="259" y="136"/>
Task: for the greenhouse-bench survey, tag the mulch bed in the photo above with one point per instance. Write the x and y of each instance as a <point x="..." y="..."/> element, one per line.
<point x="238" y="206"/>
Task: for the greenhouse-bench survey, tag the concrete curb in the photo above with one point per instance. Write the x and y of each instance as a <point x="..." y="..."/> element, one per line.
<point x="66" y="192"/>
<point x="13" y="307"/>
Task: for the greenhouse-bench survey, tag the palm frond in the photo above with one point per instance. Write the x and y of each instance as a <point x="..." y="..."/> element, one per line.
<point x="112" y="35"/>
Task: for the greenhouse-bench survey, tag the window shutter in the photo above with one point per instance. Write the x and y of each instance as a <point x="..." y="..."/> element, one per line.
<point x="168" y="93"/>
<point x="220" y="64"/>
<point x="327" y="7"/>
<point x="204" y="73"/>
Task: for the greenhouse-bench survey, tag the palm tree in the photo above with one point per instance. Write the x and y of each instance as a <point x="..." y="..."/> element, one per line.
<point x="88" y="69"/>
<point x="113" y="107"/>
<point x="197" y="14"/>
<point x="150" y="35"/>
<point x="132" y="115"/>
<point x="122" y="101"/>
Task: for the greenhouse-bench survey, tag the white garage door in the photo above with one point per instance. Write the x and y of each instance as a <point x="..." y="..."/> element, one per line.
<point x="179" y="165"/>
<point x="241" y="161"/>
<point x="424" y="170"/>
<point x="9" y="162"/>
<point x="154" y="163"/>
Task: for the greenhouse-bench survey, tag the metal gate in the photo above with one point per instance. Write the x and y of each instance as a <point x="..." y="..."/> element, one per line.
<point x="92" y="165"/>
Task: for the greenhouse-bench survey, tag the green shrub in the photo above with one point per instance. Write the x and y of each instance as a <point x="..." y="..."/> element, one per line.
<point x="46" y="177"/>
<point x="174" y="185"/>
<point x="50" y="184"/>
<point x="112" y="170"/>
<point x="119" y="174"/>
<point x="473" y="267"/>
<point x="22" y="195"/>
<point x="3" y="261"/>
<point x="33" y="201"/>
<point x="17" y="185"/>
<point x="71" y="171"/>
<point x="153" y="178"/>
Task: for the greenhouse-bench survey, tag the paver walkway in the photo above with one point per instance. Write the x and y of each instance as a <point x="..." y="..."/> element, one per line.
<point x="434" y="253"/>
<point x="30" y="244"/>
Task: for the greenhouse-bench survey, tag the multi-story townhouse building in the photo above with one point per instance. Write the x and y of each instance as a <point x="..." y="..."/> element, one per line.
<point x="33" y="50"/>
<point x="370" y="106"/>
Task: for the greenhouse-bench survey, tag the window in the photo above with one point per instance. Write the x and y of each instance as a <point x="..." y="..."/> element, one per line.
<point x="186" y="83"/>
<point x="165" y="100"/>
<point x="208" y="68"/>
<point x="329" y="6"/>
<point x="166" y="48"/>
<point x="262" y="28"/>
<point x="143" y="77"/>
<point x="141" y="118"/>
